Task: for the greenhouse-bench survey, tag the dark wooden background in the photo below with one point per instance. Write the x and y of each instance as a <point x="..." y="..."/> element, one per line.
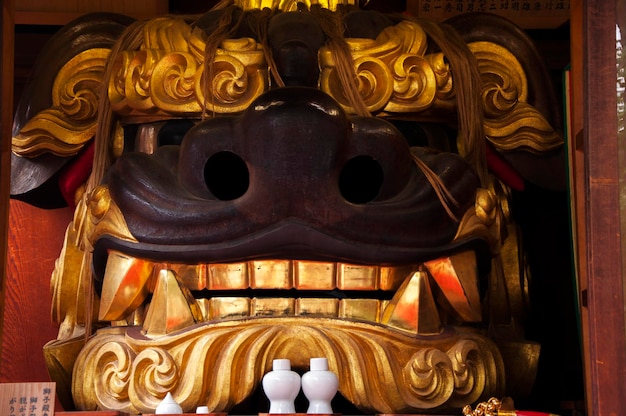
<point x="35" y="239"/>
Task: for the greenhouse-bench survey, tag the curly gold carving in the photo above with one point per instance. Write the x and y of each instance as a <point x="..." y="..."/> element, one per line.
<point x="138" y="81"/>
<point x="291" y="5"/>
<point x="374" y="82"/>
<point x="504" y="80"/>
<point x="167" y="75"/>
<point x="172" y="84"/>
<point x="413" y="86"/>
<point x="391" y="71"/>
<point x="469" y="371"/>
<point x="115" y="364"/>
<point x="443" y="75"/>
<point x="238" y="75"/>
<point x="111" y="360"/>
<point x="523" y="128"/>
<point x="510" y="122"/>
<point x="429" y="377"/>
<point x="65" y="127"/>
<point x="379" y="369"/>
<point x="154" y="374"/>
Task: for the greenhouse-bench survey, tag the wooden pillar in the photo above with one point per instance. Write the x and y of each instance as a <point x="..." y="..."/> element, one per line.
<point x="606" y="332"/>
<point x="7" y="41"/>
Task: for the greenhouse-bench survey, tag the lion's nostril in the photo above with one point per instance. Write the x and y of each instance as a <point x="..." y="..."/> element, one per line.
<point x="361" y="179"/>
<point x="226" y="176"/>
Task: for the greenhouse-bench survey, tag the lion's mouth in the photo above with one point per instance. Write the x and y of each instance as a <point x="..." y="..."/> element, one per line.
<point x="167" y="297"/>
<point x="171" y="251"/>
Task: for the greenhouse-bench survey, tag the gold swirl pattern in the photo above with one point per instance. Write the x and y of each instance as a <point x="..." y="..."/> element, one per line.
<point x="167" y="75"/>
<point x="504" y="80"/>
<point x="116" y="369"/>
<point x="238" y="75"/>
<point x="391" y="71"/>
<point x="291" y="5"/>
<point x="173" y="82"/>
<point x="469" y="371"/>
<point x="523" y="128"/>
<point x="413" y="87"/>
<point x="113" y="360"/>
<point x="65" y="127"/>
<point x="154" y="374"/>
<point x="373" y="365"/>
<point x="137" y="84"/>
<point x="430" y="377"/>
<point x="510" y="122"/>
<point x="443" y="75"/>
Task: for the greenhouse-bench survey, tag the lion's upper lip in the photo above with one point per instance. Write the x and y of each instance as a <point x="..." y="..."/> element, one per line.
<point x="288" y="240"/>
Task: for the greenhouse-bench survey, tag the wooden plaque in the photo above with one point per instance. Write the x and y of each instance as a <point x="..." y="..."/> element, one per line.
<point x="27" y="399"/>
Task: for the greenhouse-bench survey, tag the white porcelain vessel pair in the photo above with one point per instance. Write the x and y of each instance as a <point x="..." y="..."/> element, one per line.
<point x="282" y="385"/>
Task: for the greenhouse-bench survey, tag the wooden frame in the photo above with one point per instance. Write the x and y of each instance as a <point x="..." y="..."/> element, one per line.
<point x="597" y="189"/>
<point x="7" y="18"/>
<point x="596" y="186"/>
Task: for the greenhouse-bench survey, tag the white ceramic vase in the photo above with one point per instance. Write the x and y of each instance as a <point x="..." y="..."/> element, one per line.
<point x="319" y="385"/>
<point x="168" y="406"/>
<point x="281" y="386"/>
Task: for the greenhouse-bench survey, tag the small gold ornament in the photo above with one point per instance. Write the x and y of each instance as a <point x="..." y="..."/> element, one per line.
<point x="488" y="408"/>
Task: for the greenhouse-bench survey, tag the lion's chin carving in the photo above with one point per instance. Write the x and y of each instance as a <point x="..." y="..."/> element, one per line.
<point x="221" y="364"/>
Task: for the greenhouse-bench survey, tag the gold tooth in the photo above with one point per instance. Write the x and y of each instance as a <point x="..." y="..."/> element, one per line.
<point x="192" y="276"/>
<point x="272" y="307"/>
<point x="314" y="275"/>
<point x="361" y="309"/>
<point x="170" y="308"/>
<point x="205" y="308"/>
<point x="125" y="286"/>
<point x="228" y="276"/>
<point x="413" y="309"/>
<point x="270" y="274"/>
<point x="357" y="277"/>
<point x="229" y="307"/>
<point x="317" y="307"/>
<point x="456" y="276"/>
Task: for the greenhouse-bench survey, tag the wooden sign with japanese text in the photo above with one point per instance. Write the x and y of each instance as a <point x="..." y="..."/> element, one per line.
<point x="528" y="14"/>
<point x="27" y="399"/>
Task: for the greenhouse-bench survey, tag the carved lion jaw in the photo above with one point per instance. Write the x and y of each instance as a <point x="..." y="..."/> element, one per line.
<point x="180" y="296"/>
<point x="174" y="339"/>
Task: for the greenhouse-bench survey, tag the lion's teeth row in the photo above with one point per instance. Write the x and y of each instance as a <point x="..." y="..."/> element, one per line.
<point x="128" y="281"/>
<point x="220" y="308"/>
<point x="287" y="274"/>
<point x="159" y="296"/>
